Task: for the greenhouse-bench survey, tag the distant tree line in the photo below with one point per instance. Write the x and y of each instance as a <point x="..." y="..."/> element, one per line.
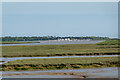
<point x="50" y="38"/>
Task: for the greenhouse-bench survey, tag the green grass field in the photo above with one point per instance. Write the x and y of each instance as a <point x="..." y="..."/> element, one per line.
<point x="58" y="50"/>
<point x="61" y="63"/>
<point x="109" y="42"/>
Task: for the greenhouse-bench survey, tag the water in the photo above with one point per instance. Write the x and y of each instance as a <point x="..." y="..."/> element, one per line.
<point x="57" y="42"/>
<point x="38" y="76"/>
<point x="110" y="72"/>
<point x="6" y="59"/>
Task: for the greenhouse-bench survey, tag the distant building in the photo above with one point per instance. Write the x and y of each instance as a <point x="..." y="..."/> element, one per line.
<point x="66" y="39"/>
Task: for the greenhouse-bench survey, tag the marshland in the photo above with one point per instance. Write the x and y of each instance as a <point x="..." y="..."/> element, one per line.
<point x="110" y="48"/>
<point x="107" y="48"/>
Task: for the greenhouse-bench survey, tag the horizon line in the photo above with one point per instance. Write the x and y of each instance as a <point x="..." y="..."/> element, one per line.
<point x="58" y="36"/>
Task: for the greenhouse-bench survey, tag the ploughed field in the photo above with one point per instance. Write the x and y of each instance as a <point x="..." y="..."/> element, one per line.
<point x="60" y="63"/>
<point x="59" y="50"/>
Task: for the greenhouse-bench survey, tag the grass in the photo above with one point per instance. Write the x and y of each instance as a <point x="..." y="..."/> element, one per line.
<point x="109" y="42"/>
<point x="59" y="50"/>
<point x="61" y="63"/>
<point x="15" y="42"/>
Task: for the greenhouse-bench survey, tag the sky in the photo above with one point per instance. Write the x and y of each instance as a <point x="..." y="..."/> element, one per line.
<point x="60" y="19"/>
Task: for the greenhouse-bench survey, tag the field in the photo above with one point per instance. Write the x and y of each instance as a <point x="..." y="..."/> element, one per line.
<point x="60" y="63"/>
<point x="109" y="42"/>
<point x="16" y="42"/>
<point x="59" y="50"/>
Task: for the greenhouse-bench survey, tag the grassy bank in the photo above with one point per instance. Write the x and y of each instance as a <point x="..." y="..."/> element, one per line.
<point x="60" y="63"/>
<point x="15" y="42"/>
<point x="110" y="42"/>
<point x="59" y="50"/>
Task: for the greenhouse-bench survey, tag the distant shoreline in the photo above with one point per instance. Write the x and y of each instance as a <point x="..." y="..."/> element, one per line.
<point x="16" y="42"/>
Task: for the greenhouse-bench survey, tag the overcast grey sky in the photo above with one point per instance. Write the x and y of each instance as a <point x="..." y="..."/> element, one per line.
<point x="60" y="19"/>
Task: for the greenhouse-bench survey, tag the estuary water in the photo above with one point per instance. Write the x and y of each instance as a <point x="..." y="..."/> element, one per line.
<point x="109" y="72"/>
<point x="56" y="42"/>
